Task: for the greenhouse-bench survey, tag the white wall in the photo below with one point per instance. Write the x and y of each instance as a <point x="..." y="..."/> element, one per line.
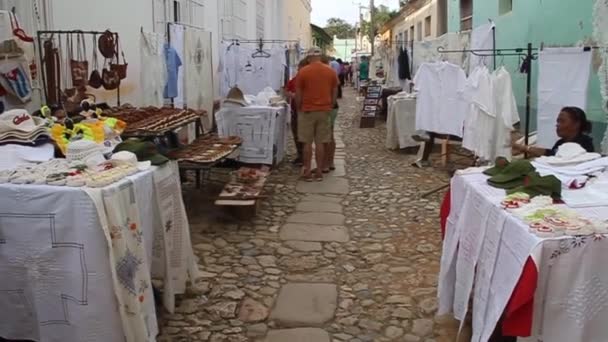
<point x="125" y="17"/>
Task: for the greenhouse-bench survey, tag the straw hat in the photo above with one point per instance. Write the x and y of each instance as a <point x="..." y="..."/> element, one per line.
<point x="236" y="96"/>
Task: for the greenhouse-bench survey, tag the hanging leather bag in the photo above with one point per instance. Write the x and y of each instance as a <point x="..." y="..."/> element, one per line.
<point x="120" y="69"/>
<point x="95" y="80"/>
<point x="79" y="67"/>
<point x="107" y="44"/>
<point x="110" y="78"/>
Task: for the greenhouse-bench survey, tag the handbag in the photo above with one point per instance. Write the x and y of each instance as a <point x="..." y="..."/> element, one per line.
<point x="120" y="69"/>
<point x="52" y="65"/>
<point x="79" y="67"/>
<point x="95" y="80"/>
<point x="107" y="45"/>
<point x="110" y="79"/>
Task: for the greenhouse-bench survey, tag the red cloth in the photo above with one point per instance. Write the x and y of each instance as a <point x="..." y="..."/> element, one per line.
<point x="444" y="212"/>
<point x="517" y="319"/>
<point x="291" y="85"/>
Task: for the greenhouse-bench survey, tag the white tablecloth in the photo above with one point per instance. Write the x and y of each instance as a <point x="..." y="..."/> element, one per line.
<point x="263" y="130"/>
<point x="57" y="282"/>
<point x="401" y="122"/>
<point x="486" y="248"/>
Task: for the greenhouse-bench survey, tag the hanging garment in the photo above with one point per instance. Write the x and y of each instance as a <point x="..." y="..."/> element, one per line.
<point x="482" y="37"/>
<point x="198" y="91"/>
<point x="252" y="74"/>
<point x="441" y="107"/>
<point x="177" y="43"/>
<point x="480" y="120"/>
<point x="404" y="65"/>
<point x="492" y="114"/>
<point x="507" y="114"/>
<point x="563" y="80"/>
<point x="173" y="62"/>
<point x="154" y="79"/>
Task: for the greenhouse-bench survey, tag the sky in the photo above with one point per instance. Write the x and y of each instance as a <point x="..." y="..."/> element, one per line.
<point x="344" y="9"/>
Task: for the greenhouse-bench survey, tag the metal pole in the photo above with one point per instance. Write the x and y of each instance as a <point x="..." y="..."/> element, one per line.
<point x="372" y="10"/>
<point x="528" y="87"/>
<point x="494" y="44"/>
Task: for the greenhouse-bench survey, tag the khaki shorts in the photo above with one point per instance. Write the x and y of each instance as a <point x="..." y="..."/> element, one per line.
<point x="314" y="127"/>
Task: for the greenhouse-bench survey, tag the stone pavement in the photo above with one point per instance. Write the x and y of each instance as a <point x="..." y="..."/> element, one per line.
<point x="353" y="258"/>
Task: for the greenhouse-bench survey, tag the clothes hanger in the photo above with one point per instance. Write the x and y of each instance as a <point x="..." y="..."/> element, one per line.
<point x="260" y="53"/>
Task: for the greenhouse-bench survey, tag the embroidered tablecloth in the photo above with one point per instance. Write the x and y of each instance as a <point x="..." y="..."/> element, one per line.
<point x="58" y="280"/>
<point x="487" y="256"/>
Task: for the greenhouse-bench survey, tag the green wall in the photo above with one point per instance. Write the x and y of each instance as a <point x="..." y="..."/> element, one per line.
<point x="552" y="22"/>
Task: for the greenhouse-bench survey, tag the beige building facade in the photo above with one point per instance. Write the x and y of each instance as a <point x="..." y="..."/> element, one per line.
<point x="418" y="20"/>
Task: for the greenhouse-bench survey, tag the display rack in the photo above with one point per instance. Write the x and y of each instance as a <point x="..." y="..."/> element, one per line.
<point x="48" y="34"/>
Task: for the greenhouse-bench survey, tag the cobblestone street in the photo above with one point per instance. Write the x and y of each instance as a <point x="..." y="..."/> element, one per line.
<point x="354" y="258"/>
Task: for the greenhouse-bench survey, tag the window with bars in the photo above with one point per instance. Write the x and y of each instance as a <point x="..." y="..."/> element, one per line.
<point x="466" y="15"/>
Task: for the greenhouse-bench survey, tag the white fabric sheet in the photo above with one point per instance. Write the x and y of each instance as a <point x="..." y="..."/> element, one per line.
<point x="441" y="106"/>
<point x="401" y="122"/>
<point x="563" y="80"/>
<point x="262" y="129"/>
<point x="570" y="300"/>
<point x="154" y="75"/>
<point x="482" y="38"/>
<point x="56" y="268"/>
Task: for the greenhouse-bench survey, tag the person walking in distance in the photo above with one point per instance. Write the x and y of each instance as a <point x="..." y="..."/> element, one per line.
<point x="335" y="64"/>
<point x="316" y="93"/>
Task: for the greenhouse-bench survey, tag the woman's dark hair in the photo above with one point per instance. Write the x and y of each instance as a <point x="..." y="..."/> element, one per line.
<point x="339" y="60"/>
<point x="578" y="115"/>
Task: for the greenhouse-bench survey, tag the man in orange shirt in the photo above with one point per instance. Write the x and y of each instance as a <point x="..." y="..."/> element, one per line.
<point x="316" y="93"/>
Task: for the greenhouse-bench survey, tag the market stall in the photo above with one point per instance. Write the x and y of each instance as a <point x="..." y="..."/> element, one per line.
<point x="263" y="130"/>
<point x="74" y="235"/>
<point x="533" y="261"/>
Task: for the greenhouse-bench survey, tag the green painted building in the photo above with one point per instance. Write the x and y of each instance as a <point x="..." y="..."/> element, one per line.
<point x="518" y="22"/>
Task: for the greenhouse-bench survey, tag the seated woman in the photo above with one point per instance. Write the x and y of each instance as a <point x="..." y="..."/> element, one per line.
<point x="572" y="127"/>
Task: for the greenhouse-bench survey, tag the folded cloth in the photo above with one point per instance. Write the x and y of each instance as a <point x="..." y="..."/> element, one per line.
<point x="537" y="185"/>
<point x="569" y="154"/>
<point x="586" y="168"/>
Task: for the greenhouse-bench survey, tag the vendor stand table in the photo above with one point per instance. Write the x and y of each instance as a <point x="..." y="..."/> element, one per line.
<point x="263" y="131"/>
<point x="401" y="122"/>
<point x="68" y="256"/>
<point x="550" y="289"/>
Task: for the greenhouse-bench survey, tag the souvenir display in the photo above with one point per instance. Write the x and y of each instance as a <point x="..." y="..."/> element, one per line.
<point x="75" y="172"/>
<point x="207" y="149"/>
<point x="19" y="127"/>
<point x="516" y="200"/>
<point x="547" y="220"/>
<point x="246" y="184"/>
<point x="152" y="120"/>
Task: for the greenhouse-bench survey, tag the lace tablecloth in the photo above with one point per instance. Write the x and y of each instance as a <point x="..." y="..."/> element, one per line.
<point x="485" y="250"/>
<point x="67" y="255"/>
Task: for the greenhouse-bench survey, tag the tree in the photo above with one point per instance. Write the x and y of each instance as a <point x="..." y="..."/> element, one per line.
<point x="382" y="15"/>
<point x="340" y="28"/>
